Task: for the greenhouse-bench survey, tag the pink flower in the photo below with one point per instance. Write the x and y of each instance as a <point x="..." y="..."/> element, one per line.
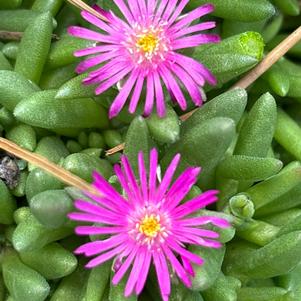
<point x="143" y="50"/>
<point x="147" y="225"/>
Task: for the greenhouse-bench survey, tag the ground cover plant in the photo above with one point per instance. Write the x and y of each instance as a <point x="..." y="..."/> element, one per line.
<point x="150" y="150"/>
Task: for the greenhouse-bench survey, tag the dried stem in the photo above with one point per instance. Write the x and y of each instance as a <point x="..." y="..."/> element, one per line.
<point x="250" y="77"/>
<point x="84" y="6"/>
<point x="41" y="162"/>
<point x="187" y="115"/>
<point x="16" y="36"/>
<point x="115" y="149"/>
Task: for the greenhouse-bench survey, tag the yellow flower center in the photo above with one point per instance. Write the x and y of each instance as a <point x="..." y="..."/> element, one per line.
<point x="150" y="226"/>
<point x="148" y="43"/>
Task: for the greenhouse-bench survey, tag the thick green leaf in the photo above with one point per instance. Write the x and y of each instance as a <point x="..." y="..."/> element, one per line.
<point x="224" y="289"/>
<point x="51" y="207"/>
<point x="230" y="104"/>
<point x="233" y="56"/>
<point x="247" y="168"/>
<point x="52" y="261"/>
<point x="31" y="235"/>
<point x="137" y="139"/>
<point x="206" y="274"/>
<point x="203" y="145"/>
<point x="7" y="205"/>
<point x="240" y="10"/>
<point x="34" y="47"/>
<point x="26" y="284"/>
<point x="12" y="94"/>
<point x="261" y="294"/>
<point x="164" y="130"/>
<point x="256" y="134"/>
<point x="83" y="166"/>
<point x="268" y="261"/>
<point x="45" y="111"/>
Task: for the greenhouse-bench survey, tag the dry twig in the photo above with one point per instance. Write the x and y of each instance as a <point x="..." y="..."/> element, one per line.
<point x="43" y="163"/>
<point x="16" y="36"/>
<point x="84" y="6"/>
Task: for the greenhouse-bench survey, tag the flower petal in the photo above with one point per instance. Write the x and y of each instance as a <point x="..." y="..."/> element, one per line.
<point x="94" y="50"/>
<point x="169" y="9"/>
<point x="142" y="175"/>
<point x="153" y="164"/>
<point x="161" y="8"/>
<point x="135" y="273"/>
<point x="115" y="199"/>
<point x="125" y="266"/>
<point x="93" y="61"/>
<point x="181" y="187"/>
<point x="183" y="60"/>
<point x="143" y="8"/>
<point x="189" y="84"/>
<point x="195" y="40"/>
<point x="87" y="34"/>
<point x="125" y="11"/>
<point x="124" y="184"/>
<point x="121" y="98"/>
<point x="128" y="171"/>
<point x="162" y="273"/>
<point x="151" y="5"/>
<point x="94" y="230"/>
<point x="177" y="11"/>
<point x="98" y="23"/>
<point x="88" y="207"/>
<point x="188" y="266"/>
<point x="193" y="15"/>
<point x="112" y="81"/>
<point x="100" y="246"/>
<point x="195" y="28"/>
<point x="203" y="220"/>
<point x="136" y="94"/>
<point x="183" y="252"/>
<point x="182" y="274"/>
<point x="171" y="83"/>
<point x="196" y="203"/>
<point x="149" y="101"/>
<point x="143" y="272"/>
<point x="105" y="257"/>
<point x="86" y="217"/>
<point x="162" y="189"/>
<point x="161" y="109"/>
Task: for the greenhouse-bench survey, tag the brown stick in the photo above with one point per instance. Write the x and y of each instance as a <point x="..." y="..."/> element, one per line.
<point x="16" y="36"/>
<point x="115" y="149"/>
<point x="250" y="77"/>
<point x="41" y="162"/>
<point x="84" y="6"/>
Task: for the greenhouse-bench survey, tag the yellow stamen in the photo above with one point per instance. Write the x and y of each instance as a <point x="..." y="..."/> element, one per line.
<point x="150" y="226"/>
<point x="147" y="43"/>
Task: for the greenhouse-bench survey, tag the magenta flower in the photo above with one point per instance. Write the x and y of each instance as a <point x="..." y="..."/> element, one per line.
<point x="148" y="225"/>
<point x="143" y="50"/>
